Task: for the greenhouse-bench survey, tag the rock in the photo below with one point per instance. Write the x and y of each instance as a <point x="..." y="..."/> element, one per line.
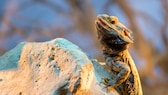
<point x="57" y="67"/>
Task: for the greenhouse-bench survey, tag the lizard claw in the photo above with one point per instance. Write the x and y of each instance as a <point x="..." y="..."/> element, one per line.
<point x="105" y="81"/>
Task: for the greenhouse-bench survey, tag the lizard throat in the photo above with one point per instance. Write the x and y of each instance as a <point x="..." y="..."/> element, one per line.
<point x="113" y="43"/>
<point x="115" y="48"/>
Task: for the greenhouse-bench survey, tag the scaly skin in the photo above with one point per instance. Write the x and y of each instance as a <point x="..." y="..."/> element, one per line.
<point x="115" y="39"/>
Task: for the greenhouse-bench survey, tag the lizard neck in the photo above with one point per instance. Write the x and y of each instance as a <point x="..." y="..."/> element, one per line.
<point x="113" y="52"/>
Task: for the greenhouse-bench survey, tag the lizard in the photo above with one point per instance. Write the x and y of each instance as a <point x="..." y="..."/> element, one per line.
<point x="115" y="39"/>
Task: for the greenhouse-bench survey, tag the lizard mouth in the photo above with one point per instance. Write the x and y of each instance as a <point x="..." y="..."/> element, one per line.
<point x="102" y="25"/>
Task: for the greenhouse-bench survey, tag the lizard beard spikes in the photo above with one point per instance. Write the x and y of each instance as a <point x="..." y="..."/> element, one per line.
<point x="115" y="44"/>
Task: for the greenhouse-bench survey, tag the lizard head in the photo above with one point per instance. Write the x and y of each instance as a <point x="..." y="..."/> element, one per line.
<point x="112" y="32"/>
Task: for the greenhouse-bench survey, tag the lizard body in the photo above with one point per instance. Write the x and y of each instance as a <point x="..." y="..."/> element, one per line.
<point x="115" y="39"/>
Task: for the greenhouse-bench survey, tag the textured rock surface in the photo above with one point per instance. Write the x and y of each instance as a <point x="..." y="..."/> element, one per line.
<point x="57" y="67"/>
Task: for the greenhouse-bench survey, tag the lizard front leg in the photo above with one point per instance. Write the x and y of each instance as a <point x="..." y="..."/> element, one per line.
<point x="122" y="69"/>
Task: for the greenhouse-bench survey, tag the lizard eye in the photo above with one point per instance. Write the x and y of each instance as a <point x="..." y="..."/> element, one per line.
<point x="113" y="21"/>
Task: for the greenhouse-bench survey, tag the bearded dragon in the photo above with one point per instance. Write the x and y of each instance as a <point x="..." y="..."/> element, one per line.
<point x="115" y="39"/>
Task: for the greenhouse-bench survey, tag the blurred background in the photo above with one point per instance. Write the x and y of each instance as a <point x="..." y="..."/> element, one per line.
<point x="43" y="20"/>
